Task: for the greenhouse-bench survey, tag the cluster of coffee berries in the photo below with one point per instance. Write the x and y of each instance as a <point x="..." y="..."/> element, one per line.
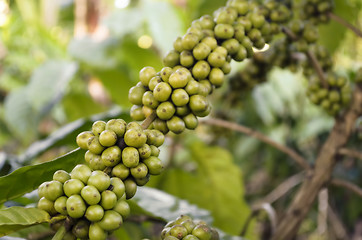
<point x="331" y="97"/>
<point x="198" y="64"/>
<point x="96" y="201"/>
<point x="120" y="157"/>
<point x="186" y="229"/>
<point x="316" y="11"/>
<point x="129" y="152"/>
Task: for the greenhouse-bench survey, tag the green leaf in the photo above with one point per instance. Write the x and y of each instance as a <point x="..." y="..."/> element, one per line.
<point x="26" y="179"/>
<point x="92" y="53"/>
<point x="164" y="24"/>
<point x="16" y="218"/>
<point x="216" y="185"/>
<point x="48" y="83"/>
<point x="68" y="133"/>
<point x="19" y="115"/>
<point x="332" y="34"/>
<point x="165" y="206"/>
<point x="124" y="21"/>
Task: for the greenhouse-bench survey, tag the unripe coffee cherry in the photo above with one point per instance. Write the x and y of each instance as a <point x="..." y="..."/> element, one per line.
<point x="53" y="190"/>
<point x="73" y="187"/>
<point x="117" y="186"/>
<point x="120" y="171"/>
<point x="98" y="127"/>
<point x="154" y="165"/>
<point x="135" y="138"/>
<point x="81" y="229"/>
<point x="112" y="220"/>
<point x="61" y="176"/>
<point x="91" y="195"/>
<point x="99" y="180"/>
<point x="111" y="156"/>
<point x="82" y="139"/>
<point x="76" y="206"/>
<point x="60" y="205"/>
<point x="118" y="126"/>
<point x="122" y="208"/>
<point x="107" y="138"/>
<point x="130" y="157"/>
<point x="81" y="172"/>
<point x="108" y="199"/>
<point x="96" y="232"/>
<point x="46" y="205"/>
<point x="94" y="213"/>
<point x="131" y="188"/>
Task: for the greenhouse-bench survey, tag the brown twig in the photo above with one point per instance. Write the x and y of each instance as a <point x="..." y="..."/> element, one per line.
<point x="270" y="212"/>
<point x="148" y="121"/>
<point x="348" y="185"/>
<point x="282" y="189"/>
<point x="252" y="133"/>
<point x="337" y="225"/>
<point x="310" y="56"/>
<point x="323" y="169"/>
<point x="345" y="23"/>
<point x="350" y="153"/>
<point x="322" y="211"/>
<point x="317" y="67"/>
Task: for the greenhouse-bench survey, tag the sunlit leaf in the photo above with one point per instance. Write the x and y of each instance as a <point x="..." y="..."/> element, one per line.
<point x="16" y="218"/>
<point x="28" y="178"/>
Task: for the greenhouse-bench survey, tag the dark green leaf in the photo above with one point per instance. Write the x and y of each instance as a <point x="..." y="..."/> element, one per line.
<point x="16" y="218"/>
<point x="216" y="186"/>
<point x="28" y="178"/>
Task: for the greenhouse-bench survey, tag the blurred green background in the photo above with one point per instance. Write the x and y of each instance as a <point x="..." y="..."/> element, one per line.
<point x="63" y="62"/>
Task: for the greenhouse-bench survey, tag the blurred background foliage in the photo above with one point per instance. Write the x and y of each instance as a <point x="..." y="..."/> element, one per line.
<point x="66" y="63"/>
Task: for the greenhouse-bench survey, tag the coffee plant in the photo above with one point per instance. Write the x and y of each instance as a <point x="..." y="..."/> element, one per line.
<point x="92" y="192"/>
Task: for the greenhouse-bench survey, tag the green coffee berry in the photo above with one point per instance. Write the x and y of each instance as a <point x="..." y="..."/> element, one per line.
<point x="140" y="171"/>
<point x="100" y="180"/>
<point x="107" y="138"/>
<point x="120" y="171"/>
<point x="176" y="125"/>
<point x="191" y="121"/>
<point x="112" y="220"/>
<point x="94" y="146"/>
<point x="117" y="186"/>
<point x="73" y="187"/>
<point x="82" y="139"/>
<point x="81" y="229"/>
<point x="76" y="206"/>
<point x="96" y="232"/>
<point x="131" y="188"/>
<point x="94" y="213"/>
<point x="61" y="176"/>
<point x="52" y="190"/>
<point x="81" y="172"/>
<point x="154" y="165"/>
<point x="130" y="157"/>
<point x="146" y="74"/>
<point x="201" y="69"/>
<point x="91" y="195"/>
<point x="122" y="208"/>
<point x="118" y="126"/>
<point x="111" y="156"/>
<point x="179" y="98"/>
<point x="198" y="103"/>
<point x="154" y="151"/>
<point x="180" y="78"/>
<point x="135" y="94"/>
<point x="60" y="205"/>
<point x="171" y="59"/>
<point x="108" y="199"/>
<point x="46" y="205"/>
